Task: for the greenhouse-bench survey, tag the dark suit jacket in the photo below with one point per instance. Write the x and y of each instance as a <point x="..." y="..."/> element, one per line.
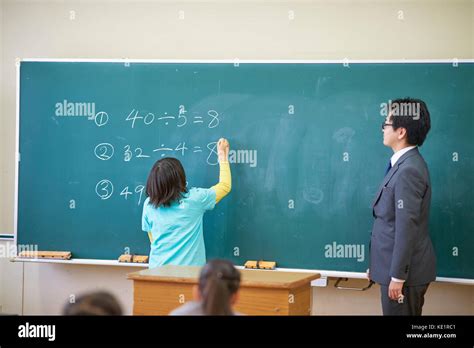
<point x="400" y="244"/>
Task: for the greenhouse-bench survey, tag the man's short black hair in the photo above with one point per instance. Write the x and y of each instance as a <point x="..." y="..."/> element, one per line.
<point x="413" y="115"/>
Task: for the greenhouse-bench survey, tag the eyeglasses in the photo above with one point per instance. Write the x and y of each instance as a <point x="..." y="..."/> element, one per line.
<point x="386" y="124"/>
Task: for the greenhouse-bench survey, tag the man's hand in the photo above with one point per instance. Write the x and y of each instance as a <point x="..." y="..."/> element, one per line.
<point x="395" y="290"/>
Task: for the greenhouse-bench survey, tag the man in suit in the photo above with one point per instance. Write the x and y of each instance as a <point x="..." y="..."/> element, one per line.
<point x="402" y="258"/>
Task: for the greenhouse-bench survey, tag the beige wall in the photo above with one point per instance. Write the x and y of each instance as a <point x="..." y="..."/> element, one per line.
<point x="47" y="288"/>
<point x="212" y="30"/>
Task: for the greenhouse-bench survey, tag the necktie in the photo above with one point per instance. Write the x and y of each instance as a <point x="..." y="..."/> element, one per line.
<point x="388" y="167"/>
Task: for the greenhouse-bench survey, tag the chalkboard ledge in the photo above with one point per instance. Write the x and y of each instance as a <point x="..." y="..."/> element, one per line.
<point x="7" y="237"/>
<point x="93" y="262"/>
<point x="324" y="274"/>
<point x="362" y="275"/>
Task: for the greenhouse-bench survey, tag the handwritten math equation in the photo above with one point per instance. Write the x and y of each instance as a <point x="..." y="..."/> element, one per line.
<point x="105" y="151"/>
<point x="181" y="118"/>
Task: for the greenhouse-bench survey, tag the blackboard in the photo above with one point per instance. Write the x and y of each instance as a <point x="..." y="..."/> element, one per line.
<point x="308" y="144"/>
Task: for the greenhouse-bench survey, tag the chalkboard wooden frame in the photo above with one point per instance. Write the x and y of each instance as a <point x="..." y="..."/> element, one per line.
<point x="225" y="61"/>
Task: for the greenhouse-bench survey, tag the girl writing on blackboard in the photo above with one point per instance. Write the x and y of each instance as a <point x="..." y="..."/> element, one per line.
<point x="173" y="214"/>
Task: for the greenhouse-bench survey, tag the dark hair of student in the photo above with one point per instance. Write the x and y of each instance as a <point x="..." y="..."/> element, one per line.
<point x="96" y="303"/>
<point x="417" y="125"/>
<point x="218" y="281"/>
<point x="166" y="182"/>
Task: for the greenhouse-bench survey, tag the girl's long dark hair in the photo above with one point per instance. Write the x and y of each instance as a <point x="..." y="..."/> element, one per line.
<point x="218" y="281"/>
<point x="166" y="182"/>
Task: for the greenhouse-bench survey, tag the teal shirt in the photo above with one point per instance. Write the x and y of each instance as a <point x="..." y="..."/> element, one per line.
<point x="177" y="230"/>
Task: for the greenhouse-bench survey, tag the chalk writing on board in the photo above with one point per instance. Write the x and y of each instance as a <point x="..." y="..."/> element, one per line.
<point x="211" y="117"/>
<point x="104" y="151"/>
<point x="101" y="118"/>
<point x="138" y="190"/>
<point x="215" y="118"/>
<point x="104" y="189"/>
<point x="212" y="159"/>
<point x="128" y="154"/>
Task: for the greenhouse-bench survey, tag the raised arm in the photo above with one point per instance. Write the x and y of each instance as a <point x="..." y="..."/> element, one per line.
<point x="225" y="179"/>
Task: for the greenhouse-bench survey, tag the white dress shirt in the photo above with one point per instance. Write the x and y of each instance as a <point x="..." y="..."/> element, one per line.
<point x="396" y="156"/>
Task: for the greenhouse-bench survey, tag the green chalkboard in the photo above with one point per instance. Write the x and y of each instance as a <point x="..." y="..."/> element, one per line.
<point x="309" y="155"/>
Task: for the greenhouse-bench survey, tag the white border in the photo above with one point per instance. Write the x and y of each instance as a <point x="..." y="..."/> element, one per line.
<point x="336" y="274"/>
<point x="17" y="150"/>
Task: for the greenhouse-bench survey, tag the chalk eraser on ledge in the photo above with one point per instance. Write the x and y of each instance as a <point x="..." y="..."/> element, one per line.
<point x="125" y="258"/>
<point x="251" y="264"/>
<point x="140" y="259"/>
<point x="60" y="255"/>
<point x="267" y="264"/>
<point x="133" y="258"/>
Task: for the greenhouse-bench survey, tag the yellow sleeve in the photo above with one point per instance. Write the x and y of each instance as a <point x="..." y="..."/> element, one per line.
<point x="150" y="236"/>
<point x="225" y="181"/>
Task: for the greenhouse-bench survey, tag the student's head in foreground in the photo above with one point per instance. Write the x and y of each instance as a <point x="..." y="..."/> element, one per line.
<point x="407" y="123"/>
<point x="95" y="303"/>
<point x="218" y="287"/>
<point x="217" y="290"/>
<point x="166" y="182"/>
